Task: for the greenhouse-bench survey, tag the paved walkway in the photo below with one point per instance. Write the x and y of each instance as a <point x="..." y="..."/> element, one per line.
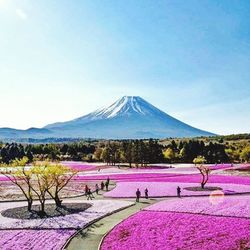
<point x="90" y="238"/>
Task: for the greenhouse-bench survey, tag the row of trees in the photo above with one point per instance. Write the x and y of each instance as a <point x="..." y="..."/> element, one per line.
<point x="139" y="152"/>
<point x="40" y="180"/>
<point x="136" y="152"/>
<point x="72" y="151"/>
<point x="186" y="151"/>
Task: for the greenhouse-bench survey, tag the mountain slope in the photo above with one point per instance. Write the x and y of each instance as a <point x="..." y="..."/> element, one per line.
<point x="27" y="133"/>
<point x="129" y="117"/>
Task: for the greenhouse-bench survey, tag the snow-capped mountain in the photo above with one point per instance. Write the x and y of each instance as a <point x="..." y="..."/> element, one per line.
<point x="129" y="117"/>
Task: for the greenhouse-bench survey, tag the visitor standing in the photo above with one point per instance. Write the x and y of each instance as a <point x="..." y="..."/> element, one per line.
<point x="179" y="192"/>
<point x="96" y="188"/>
<point x="86" y="189"/>
<point x="138" y="195"/>
<point x="107" y="185"/>
<point x="102" y="185"/>
<point x="146" y="193"/>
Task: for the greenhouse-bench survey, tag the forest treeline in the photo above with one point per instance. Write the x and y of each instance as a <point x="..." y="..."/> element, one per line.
<point x="133" y="152"/>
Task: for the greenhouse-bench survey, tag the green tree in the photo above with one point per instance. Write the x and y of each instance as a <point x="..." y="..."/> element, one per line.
<point x="245" y="154"/>
<point x="169" y="154"/>
<point x="56" y="178"/>
<point x="21" y="176"/>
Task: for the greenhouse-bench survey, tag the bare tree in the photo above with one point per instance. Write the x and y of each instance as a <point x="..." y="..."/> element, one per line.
<point x="20" y="175"/>
<point x="204" y="170"/>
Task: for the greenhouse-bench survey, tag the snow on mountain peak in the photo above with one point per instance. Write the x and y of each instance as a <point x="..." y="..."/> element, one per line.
<point x="126" y="105"/>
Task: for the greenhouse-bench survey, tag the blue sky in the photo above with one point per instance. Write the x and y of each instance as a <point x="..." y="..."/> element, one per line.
<point x="62" y="59"/>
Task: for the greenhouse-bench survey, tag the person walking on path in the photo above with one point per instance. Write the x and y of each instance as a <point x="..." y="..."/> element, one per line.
<point x="108" y="180"/>
<point x="146" y="193"/>
<point x="90" y="196"/>
<point x="107" y="185"/>
<point x="138" y="195"/>
<point x="179" y="192"/>
<point x="102" y="185"/>
<point x="96" y="188"/>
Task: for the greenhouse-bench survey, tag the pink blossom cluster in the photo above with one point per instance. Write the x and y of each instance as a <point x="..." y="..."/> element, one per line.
<point x="160" y="189"/>
<point x="34" y="239"/>
<point x="167" y="231"/>
<point x="235" y="206"/>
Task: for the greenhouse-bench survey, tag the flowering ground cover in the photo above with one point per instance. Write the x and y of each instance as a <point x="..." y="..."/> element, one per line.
<point x="243" y="169"/>
<point x="162" y="177"/>
<point x="166" y="231"/>
<point x="221" y="166"/>
<point x="235" y="206"/>
<point x="82" y="166"/>
<point x="180" y="168"/>
<point x="98" y="209"/>
<point x="158" y="189"/>
<point x="34" y="239"/>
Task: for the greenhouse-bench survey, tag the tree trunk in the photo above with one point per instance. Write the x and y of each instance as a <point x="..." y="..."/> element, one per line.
<point x="206" y="180"/>
<point x="42" y="207"/>
<point x="203" y="181"/>
<point x="30" y="205"/>
<point x="58" y="201"/>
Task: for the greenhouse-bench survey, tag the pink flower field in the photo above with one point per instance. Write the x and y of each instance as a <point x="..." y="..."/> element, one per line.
<point x="161" y="177"/>
<point x="80" y="166"/>
<point x="235" y="206"/>
<point x="34" y="239"/>
<point x="167" y="231"/>
<point x="160" y="189"/>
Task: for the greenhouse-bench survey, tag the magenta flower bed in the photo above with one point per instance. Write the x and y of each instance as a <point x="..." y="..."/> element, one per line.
<point x="158" y="189"/>
<point x="79" y="166"/>
<point x="167" y="231"/>
<point x="245" y="167"/>
<point x="237" y="206"/>
<point x="220" y="166"/>
<point x="160" y="177"/>
<point x="126" y="177"/>
<point x="34" y="239"/>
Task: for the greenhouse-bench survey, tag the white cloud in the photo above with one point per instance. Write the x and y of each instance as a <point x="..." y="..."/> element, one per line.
<point x="21" y="14"/>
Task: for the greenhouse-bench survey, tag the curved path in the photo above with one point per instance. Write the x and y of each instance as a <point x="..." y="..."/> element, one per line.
<point x="91" y="237"/>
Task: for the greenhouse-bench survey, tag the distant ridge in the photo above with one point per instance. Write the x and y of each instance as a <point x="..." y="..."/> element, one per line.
<point x="130" y="117"/>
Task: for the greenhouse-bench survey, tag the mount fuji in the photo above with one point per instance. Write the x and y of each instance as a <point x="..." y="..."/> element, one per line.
<point x="130" y="117"/>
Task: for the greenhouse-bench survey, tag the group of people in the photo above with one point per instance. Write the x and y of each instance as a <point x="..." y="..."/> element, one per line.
<point x="103" y="185"/>
<point x="138" y="193"/>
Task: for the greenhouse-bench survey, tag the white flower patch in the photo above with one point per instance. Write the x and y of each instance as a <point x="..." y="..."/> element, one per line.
<point x="98" y="209"/>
